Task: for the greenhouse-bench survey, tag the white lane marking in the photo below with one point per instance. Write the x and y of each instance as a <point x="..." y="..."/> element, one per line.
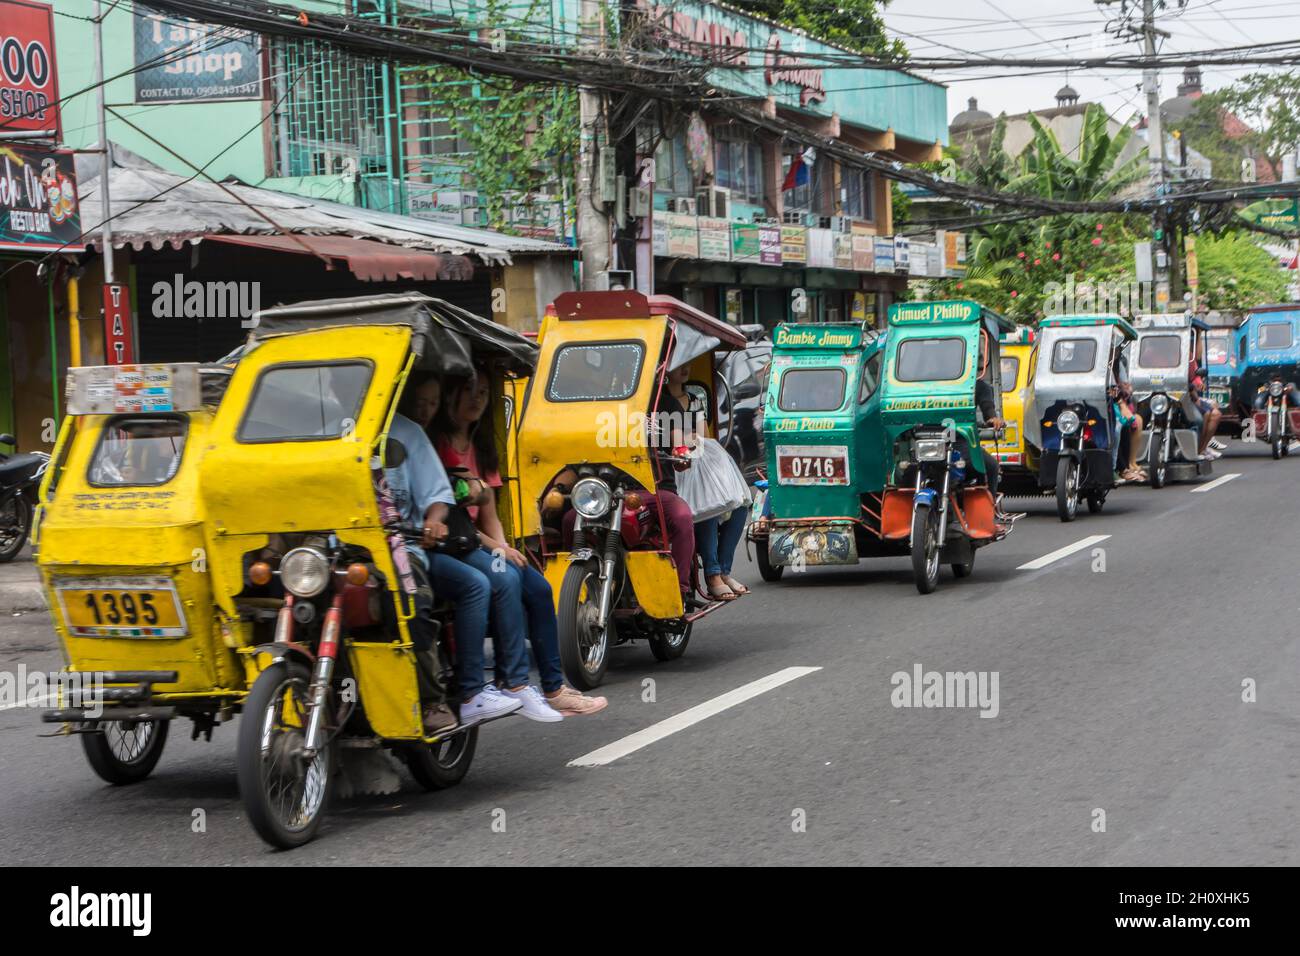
<point x="35" y="702"/>
<point x="656" y="732"/>
<point x="1060" y="553"/>
<point x="1216" y="482"/>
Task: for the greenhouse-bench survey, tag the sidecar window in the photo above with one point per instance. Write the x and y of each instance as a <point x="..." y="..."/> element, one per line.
<point x="1009" y="370"/>
<point x="1275" y="335"/>
<point x="812" y="390"/>
<point x="134" y="451"/>
<point x="931" y="360"/>
<point x="1160" y="351"/>
<point x="1074" y="355"/>
<point x="597" y="372"/>
<point x="305" y="402"/>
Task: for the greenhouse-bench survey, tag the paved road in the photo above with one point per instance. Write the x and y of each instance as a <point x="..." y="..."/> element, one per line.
<point x="1119" y="690"/>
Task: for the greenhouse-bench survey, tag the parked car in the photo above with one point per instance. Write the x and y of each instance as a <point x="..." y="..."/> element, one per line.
<point x="741" y="405"/>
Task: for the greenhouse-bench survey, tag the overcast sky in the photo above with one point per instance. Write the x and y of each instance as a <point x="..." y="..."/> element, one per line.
<point x="1077" y="28"/>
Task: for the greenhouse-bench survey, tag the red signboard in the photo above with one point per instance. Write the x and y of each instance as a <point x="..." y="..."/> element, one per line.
<point x="29" y="81"/>
<point x="119" y="343"/>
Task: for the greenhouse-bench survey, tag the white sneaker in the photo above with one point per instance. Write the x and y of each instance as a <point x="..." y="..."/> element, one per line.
<point x="533" y="704"/>
<point x="1214" y="455"/>
<point x="486" y="705"/>
<point x="1218" y="445"/>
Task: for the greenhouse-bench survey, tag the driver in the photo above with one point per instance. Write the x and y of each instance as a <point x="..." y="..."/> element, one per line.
<point x="987" y="405"/>
<point x="1289" y="390"/>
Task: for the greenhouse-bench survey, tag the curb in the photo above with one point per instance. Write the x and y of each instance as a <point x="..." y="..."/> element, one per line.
<point x="20" y="598"/>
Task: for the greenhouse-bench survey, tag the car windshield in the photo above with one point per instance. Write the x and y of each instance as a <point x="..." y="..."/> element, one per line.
<point x="305" y="402"/>
<point x="1160" y="351"/>
<point x="931" y="360"/>
<point x="1275" y="335"/>
<point x="596" y="372"/>
<point x="1074" y="355"/>
<point x="138" y="451"/>
<point x="812" y="390"/>
<point x="1009" y="369"/>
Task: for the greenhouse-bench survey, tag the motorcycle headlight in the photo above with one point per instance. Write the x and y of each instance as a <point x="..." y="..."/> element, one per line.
<point x="1275" y="389"/>
<point x="591" y="498"/>
<point x="1159" y="404"/>
<point x="304" y="572"/>
<point x="930" y="449"/>
<point x="1067" y="423"/>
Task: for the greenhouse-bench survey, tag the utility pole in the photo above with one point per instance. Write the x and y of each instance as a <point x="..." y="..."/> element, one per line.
<point x="1160" y="227"/>
<point x="593" y="222"/>
<point x="106" y="230"/>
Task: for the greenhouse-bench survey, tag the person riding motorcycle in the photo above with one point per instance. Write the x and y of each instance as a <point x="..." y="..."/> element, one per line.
<point x="1288" y="389"/>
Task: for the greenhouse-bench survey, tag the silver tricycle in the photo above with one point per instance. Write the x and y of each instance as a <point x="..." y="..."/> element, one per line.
<point x="1170" y="351"/>
<point x="1070" y="412"/>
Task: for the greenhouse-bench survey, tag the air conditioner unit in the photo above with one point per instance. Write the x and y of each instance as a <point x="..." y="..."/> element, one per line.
<point x="793" y="218"/>
<point x="682" y="206"/>
<point x="721" y="206"/>
<point x="613" y="279"/>
<point x="812" y="220"/>
<point x="824" y="222"/>
<point x="841" y="224"/>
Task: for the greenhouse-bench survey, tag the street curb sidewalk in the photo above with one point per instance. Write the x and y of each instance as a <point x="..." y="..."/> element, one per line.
<point x="20" y="586"/>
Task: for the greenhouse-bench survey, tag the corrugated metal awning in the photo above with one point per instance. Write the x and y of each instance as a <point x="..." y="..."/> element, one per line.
<point x="368" y="260"/>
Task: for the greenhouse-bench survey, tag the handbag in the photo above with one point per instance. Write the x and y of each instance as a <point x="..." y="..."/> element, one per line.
<point x="712" y="486"/>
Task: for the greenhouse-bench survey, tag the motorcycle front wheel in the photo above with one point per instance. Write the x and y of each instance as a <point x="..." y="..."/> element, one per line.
<point x="15" y="523"/>
<point x="584" y="645"/>
<point x="285" y="795"/>
<point x="925" y="548"/>
<point x="1067" y="489"/>
<point x="1159" y="462"/>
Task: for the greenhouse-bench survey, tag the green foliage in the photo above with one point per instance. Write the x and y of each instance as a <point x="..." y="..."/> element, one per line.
<point x="855" y="24"/>
<point x="1202" y="130"/>
<point x="1237" y="273"/>
<point x="1014" y="265"/>
<point x="1268" y="103"/>
<point x="517" y="139"/>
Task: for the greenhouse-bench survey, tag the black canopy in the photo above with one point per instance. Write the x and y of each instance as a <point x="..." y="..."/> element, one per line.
<point x="446" y="339"/>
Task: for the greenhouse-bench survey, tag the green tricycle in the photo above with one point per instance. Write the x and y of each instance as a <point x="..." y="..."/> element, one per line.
<point x="873" y="442"/>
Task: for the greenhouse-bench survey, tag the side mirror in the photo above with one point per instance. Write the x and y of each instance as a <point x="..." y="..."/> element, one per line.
<point x="7" y="439"/>
<point x="1202" y="372"/>
<point x="747" y="390"/>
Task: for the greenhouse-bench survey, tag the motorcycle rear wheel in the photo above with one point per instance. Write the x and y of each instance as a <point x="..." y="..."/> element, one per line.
<point x="444" y="764"/>
<point x="15" y="525"/>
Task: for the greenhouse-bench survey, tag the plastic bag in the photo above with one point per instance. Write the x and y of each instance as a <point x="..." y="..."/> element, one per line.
<point x="713" y="485"/>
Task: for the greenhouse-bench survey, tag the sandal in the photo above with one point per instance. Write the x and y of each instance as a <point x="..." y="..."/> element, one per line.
<point x="735" y="585"/>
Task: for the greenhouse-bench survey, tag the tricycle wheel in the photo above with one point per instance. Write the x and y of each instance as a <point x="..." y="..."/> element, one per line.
<point x="1277" y="446"/>
<point x="925" y="549"/>
<point x="15" y="523"/>
<point x="964" y="569"/>
<point x="1096" y="501"/>
<point x="1067" y="489"/>
<point x="584" y="647"/>
<point x="121" y="752"/>
<point x="284" y="795"/>
<point x="670" y="640"/>
<point x="771" y="574"/>
<point x="444" y="764"/>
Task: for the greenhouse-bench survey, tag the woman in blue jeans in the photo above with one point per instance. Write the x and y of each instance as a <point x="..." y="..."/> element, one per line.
<point x="716" y="540"/>
<point x="522" y="600"/>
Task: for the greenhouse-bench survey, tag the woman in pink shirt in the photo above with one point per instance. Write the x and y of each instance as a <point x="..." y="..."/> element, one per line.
<point x="463" y="436"/>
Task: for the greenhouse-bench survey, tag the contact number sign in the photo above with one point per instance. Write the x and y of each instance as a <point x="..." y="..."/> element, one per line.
<point x="812" y="464"/>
